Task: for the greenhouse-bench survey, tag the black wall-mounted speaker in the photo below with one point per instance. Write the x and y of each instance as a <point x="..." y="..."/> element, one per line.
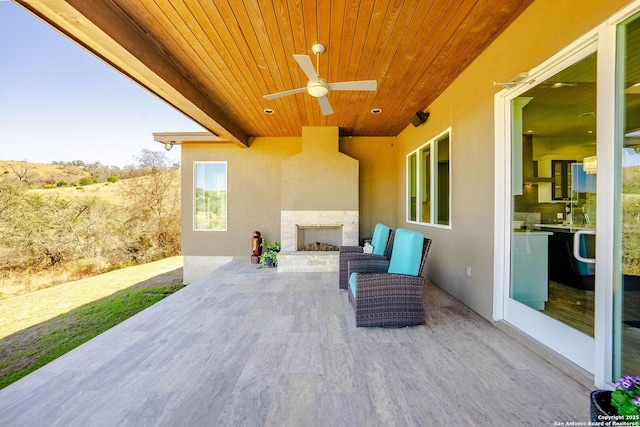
<point x="419" y="118"/>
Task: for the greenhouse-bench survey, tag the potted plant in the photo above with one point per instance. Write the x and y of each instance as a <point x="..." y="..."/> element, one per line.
<point x="622" y="404"/>
<point x="269" y="257"/>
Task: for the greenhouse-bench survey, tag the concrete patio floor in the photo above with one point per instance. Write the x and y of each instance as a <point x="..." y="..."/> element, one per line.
<point x="253" y="347"/>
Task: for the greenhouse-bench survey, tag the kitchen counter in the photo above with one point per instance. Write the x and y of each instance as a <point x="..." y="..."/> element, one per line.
<point x="562" y="227"/>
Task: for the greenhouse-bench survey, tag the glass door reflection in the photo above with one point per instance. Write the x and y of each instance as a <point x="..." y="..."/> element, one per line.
<point x="554" y="196"/>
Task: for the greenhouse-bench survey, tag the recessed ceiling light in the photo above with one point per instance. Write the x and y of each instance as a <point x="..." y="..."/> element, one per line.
<point x="376" y="111"/>
<point x="268" y="111"/>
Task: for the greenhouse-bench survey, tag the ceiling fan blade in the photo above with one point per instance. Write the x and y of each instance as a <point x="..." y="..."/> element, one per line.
<point x="285" y="93"/>
<point x="325" y="106"/>
<point x="307" y="66"/>
<point x="356" y="85"/>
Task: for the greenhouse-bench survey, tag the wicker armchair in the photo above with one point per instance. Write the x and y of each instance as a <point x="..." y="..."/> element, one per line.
<point x="381" y="241"/>
<point x="389" y="292"/>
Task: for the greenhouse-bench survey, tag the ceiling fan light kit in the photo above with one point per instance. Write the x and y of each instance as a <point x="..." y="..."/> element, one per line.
<point x="319" y="88"/>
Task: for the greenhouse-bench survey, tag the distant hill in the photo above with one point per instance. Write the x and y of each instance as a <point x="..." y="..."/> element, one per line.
<point x="47" y="178"/>
<point x="38" y="174"/>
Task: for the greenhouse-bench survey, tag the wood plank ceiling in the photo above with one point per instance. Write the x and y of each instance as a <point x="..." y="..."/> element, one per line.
<point x="230" y="53"/>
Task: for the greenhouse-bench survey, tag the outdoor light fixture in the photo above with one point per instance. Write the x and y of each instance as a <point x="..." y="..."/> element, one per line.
<point x="169" y="145"/>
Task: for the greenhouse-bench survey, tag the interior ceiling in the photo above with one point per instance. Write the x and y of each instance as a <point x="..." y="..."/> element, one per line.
<point x="564" y="106"/>
<point x="215" y="59"/>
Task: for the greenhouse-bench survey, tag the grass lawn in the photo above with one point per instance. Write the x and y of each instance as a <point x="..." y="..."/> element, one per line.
<point x="23" y="352"/>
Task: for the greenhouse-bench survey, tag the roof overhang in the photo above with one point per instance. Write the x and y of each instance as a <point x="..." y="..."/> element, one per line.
<point x="180" y="137"/>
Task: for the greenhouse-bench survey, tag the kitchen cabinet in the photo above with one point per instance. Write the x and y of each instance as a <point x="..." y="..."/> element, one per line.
<point x="561" y="174"/>
<point x="559" y="189"/>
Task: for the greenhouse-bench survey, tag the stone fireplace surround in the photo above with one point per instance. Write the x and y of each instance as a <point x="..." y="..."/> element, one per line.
<point x="292" y="260"/>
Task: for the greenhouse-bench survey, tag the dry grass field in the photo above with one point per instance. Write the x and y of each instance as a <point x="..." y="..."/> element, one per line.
<point x="110" y="191"/>
<point x="40" y="173"/>
<point x="23" y="311"/>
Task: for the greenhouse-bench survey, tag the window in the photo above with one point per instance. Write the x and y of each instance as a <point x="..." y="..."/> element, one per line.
<point x="428" y="178"/>
<point x="210" y="208"/>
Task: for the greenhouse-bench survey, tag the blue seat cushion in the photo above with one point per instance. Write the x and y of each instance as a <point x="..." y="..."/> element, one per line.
<point x="380" y="239"/>
<point x="407" y="252"/>
<point x="352" y="282"/>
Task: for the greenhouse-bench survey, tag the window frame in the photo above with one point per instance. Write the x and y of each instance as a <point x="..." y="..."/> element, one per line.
<point x="414" y="183"/>
<point x="226" y="190"/>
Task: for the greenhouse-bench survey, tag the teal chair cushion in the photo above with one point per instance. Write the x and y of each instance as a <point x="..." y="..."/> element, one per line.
<point x="584" y="269"/>
<point x="380" y="239"/>
<point x="407" y="252"/>
<point x="352" y="282"/>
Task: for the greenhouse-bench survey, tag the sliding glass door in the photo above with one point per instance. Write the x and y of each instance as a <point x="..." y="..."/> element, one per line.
<point x="626" y="289"/>
<point x="569" y="235"/>
<point x="553" y="207"/>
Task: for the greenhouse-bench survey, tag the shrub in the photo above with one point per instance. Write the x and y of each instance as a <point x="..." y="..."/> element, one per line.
<point x="87" y="267"/>
<point x="112" y="178"/>
<point x="62" y="183"/>
<point x="85" y="180"/>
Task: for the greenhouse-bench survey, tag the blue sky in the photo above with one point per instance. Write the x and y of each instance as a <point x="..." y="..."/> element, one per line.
<point x="60" y="103"/>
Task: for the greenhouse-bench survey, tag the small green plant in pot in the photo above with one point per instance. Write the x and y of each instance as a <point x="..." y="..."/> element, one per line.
<point x="269" y="257"/>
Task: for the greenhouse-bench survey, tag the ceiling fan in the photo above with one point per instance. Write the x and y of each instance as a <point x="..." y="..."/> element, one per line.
<point x="319" y="87"/>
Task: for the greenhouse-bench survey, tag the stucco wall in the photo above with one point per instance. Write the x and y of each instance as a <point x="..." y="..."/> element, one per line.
<point x="319" y="177"/>
<point x="467" y="106"/>
<point x="253" y="181"/>
<point x="378" y="179"/>
<point x="254" y="176"/>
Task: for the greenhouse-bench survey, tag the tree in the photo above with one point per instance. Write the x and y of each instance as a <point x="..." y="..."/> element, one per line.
<point x="22" y="171"/>
<point x="153" y="225"/>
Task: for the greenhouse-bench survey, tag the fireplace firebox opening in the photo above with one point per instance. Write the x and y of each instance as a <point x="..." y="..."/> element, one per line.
<point x="314" y="238"/>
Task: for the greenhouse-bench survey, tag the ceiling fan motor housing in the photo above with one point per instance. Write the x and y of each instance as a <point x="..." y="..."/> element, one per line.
<point x="318" y="89"/>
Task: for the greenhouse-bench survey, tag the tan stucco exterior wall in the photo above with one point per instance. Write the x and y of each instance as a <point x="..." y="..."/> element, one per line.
<point x="467" y="107"/>
<point x="378" y="179"/>
<point x="319" y="177"/>
<point x="253" y="185"/>
<point x="254" y="178"/>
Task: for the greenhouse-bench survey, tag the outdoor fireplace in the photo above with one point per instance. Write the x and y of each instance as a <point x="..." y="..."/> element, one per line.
<point x="319" y="190"/>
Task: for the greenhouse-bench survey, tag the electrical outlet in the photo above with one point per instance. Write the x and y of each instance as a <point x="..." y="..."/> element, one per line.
<point x="469" y="271"/>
